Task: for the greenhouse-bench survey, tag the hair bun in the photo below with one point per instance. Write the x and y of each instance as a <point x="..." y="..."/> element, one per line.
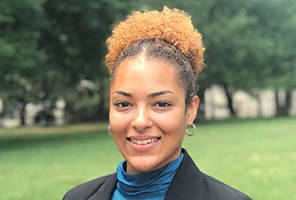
<point x="172" y="25"/>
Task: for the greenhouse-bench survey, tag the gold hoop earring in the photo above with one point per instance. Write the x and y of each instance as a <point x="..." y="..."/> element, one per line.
<point x="191" y="134"/>
<point x="110" y="130"/>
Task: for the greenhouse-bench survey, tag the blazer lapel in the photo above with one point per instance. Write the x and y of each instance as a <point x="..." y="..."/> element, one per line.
<point x="105" y="192"/>
<point x="187" y="183"/>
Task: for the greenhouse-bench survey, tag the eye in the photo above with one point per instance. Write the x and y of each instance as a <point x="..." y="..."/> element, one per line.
<point x="163" y="104"/>
<point x="122" y="104"/>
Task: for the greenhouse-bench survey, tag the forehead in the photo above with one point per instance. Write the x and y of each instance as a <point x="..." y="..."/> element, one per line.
<point x="150" y="74"/>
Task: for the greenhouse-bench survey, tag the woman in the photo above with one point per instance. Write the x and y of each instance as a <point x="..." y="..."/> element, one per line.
<point x="153" y="59"/>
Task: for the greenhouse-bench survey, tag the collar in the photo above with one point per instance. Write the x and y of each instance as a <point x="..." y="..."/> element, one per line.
<point x="186" y="184"/>
<point x="149" y="185"/>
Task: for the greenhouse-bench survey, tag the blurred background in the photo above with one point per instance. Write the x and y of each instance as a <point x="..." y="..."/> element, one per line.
<point x="53" y="75"/>
<point x="52" y="68"/>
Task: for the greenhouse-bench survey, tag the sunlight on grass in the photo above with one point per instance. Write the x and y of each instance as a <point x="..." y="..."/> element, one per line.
<point x="255" y="156"/>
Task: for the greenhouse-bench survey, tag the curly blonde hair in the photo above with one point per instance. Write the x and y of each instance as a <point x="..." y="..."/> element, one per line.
<point x="171" y="25"/>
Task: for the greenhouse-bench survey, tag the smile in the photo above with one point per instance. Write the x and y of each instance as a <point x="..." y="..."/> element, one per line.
<point x="143" y="142"/>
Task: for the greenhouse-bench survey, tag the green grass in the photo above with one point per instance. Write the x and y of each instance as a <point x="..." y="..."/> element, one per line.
<point x="255" y="156"/>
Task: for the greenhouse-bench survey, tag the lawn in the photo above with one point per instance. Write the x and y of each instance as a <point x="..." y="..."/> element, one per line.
<point x="255" y="156"/>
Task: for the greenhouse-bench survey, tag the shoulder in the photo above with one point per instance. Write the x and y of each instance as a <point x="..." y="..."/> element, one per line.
<point x="88" y="189"/>
<point x="215" y="189"/>
<point x="190" y="183"/>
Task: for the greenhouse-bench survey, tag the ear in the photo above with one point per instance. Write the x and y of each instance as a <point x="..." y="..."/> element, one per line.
<point x="192" y="110"/>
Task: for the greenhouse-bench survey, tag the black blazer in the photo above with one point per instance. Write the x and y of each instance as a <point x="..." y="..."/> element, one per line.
<point x="189" y="183"/>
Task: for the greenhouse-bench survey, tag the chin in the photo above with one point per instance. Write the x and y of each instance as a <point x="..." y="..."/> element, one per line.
<point x="140" y="166"/>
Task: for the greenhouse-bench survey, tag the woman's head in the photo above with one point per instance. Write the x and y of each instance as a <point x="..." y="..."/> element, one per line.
<point x="153" y="58"/>
<point x="147" y="113"/>
<point x="168" y="35"/>
<point x="158" y="49"/>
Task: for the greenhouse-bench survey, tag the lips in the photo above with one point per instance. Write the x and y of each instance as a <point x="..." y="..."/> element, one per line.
<point x="143" y="142"/>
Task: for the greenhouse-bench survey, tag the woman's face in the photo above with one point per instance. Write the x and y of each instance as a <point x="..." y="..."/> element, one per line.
<point x="148" y="115"/>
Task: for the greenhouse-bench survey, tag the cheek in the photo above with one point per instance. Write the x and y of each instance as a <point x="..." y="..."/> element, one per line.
<point x="171" y="122"/>
<point x="118" y="122"/>
<point x="119" y="125"/>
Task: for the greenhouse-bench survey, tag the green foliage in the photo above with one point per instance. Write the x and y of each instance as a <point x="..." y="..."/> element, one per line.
<point x="74" y="40"/>
<point x="48" y="47"/>
<point x="249" y="44"/>
<point x="247" y="155"/>
<point x="19" y="56"/>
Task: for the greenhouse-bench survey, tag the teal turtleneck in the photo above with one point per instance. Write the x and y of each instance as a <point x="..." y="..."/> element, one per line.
<point x="150" y="186"/>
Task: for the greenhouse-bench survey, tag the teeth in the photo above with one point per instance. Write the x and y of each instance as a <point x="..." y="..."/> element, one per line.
<point x="143" y="142"/>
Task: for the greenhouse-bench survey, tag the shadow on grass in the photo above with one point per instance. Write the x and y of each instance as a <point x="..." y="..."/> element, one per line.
<point x="9" y="142"/>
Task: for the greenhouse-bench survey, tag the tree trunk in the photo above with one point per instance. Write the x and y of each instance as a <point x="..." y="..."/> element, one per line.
<point x="283" y="110"/>
<point x="103" y="106"/>
<point x="102" y="113"/>
<point x="201" y="110"/>
<point x="229" y="95"/>
<point x="288" y="102"/>
<point x="256" y="94"/>
<point x="21" y="108"/>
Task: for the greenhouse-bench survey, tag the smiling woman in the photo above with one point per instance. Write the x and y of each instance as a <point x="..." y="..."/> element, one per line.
<point x="153" y="58"/>
<point x="154" y="110"/>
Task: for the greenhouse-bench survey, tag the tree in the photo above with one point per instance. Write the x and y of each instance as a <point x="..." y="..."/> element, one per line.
<point x="74" y="42"/>
<point x="19" y="55"/>
<point x="249" y="44"/>
<point x="48" y="47"/>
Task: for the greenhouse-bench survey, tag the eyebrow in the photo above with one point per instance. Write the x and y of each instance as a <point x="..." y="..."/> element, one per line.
<point x="154" y="94"/>
<point x="123" y="93"/>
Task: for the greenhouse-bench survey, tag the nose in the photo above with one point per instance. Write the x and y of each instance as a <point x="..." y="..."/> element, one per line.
<point x="141" y="120"/>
